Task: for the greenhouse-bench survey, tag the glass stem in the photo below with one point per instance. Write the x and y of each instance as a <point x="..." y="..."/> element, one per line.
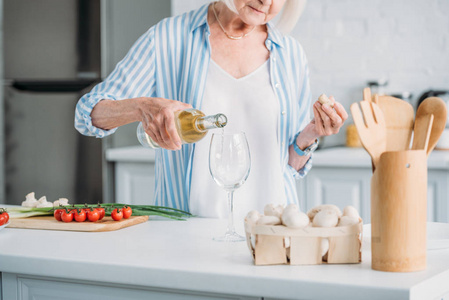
<point x="231" y="228"/>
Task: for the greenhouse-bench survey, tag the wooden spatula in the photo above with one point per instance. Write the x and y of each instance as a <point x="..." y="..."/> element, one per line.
<point x="433" y="106"/>
<point x="399" y="116"/>
<point x="370" y="125"/>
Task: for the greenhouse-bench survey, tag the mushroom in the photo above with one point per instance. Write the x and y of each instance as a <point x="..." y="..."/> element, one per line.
<point x="311" y="213"/>
<point x="30" y="200"/>
<point x="291" y="208"/>
<point x="273" y="210"/>
<point x="350" y="211"/>
<point x="295" y="219"/>
<point x="61" y="201"/>
<point x="347" y="220"/>
<point x="42" y="202"/>
<point x="252" y="217"/>
<point x="269" y="220"/>
<point x="325" y="218"/>
<point x="323" y="99"/>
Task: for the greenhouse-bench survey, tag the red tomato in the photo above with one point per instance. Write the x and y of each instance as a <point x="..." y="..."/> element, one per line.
<point x="93" y="215"/>
<point x="7" y="216"/>
<point x="127" y="212"/>
<point x="86" y="211"/>
<point x="80" y="215"/>
<point x="57" y="214"/>
<point x="101" y="211"/>
<point x="4" y="217"/>
<point x="117" y="214"/>
<point x="67" y="216"/>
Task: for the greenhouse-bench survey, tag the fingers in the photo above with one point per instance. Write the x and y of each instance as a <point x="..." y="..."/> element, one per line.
<point x="159" y="122"/>
<point x="168" y="131"/>
<point x="328" y="120"/>
<point x="318" y="121"/>
<point x="341" y="111"/>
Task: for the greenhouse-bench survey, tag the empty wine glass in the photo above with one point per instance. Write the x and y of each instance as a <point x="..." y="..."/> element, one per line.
<point x="229" y="165"/>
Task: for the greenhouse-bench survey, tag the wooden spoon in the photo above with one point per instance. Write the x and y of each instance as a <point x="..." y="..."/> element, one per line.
<point x="422" y="131"/>
<point x="433" y="106"/>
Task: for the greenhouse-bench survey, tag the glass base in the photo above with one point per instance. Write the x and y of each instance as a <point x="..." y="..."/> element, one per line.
<point x="230" y="237"/>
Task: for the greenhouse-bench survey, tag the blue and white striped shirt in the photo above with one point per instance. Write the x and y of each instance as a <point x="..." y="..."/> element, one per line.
<point x="171" y="61"/>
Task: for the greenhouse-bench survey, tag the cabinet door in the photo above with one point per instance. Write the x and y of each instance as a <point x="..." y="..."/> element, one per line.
<point x="134" y="183"/>
<point x="437" y="196"/>
<point x="34" y="288"/>
<point x="341" y="187"/>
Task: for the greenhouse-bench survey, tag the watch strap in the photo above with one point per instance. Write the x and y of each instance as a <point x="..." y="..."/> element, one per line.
<point x="306" y="151"/>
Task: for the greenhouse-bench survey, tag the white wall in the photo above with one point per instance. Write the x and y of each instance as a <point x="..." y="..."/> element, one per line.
<point x="349" y="42"/>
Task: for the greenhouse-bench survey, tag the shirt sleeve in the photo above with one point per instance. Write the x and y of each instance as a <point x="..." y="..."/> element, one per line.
<point x="305" y="104"/>
<point x="134" y="76"/>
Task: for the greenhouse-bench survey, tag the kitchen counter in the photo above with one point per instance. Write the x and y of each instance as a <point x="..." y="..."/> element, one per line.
<point x="358" y="157"/>
<point x="332" y="157"/>
<point x="180" y="257"/>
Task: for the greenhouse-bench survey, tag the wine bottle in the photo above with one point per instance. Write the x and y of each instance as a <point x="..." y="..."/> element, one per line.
<point x="192" y="125"/>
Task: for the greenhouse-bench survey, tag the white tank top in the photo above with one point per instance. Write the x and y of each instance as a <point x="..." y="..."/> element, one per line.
<point x="252" y="107"/>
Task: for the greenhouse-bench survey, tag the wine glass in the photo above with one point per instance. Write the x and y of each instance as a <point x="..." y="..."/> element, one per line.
<point x="229" y="165"/>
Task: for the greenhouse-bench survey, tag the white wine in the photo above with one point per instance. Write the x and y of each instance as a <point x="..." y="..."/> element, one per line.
<point x="192" y="125"/>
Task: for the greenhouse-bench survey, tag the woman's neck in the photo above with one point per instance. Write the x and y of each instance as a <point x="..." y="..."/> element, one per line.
<point x="231" y="22"/>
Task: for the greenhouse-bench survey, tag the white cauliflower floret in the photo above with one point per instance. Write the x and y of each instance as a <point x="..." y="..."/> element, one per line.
<point x="30" y="200"/>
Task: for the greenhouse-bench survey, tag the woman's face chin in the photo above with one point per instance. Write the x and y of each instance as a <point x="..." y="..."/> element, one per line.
<point x="255" y="12"/>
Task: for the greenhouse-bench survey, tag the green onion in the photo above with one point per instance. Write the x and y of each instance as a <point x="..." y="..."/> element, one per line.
<point x="138" y="210"/>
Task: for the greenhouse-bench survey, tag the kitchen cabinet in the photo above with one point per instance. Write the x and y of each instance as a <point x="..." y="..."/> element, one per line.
<point x="134" y="174"/>
<point x="22" y="287"/>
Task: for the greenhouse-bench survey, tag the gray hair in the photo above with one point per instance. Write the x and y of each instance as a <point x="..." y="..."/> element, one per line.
<point x="290" y="14"/>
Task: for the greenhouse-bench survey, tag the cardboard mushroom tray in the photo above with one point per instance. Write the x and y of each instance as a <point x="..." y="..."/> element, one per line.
<point x="273" y="245"/>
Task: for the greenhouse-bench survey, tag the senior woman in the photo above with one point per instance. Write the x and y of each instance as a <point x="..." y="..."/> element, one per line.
<point x="224" y="57"/>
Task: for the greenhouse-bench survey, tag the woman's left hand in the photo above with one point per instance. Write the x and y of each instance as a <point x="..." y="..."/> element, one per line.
<point x="328" y="120"/>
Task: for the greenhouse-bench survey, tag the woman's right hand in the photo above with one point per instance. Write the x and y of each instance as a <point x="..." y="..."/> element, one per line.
<point x="158" y="120"/>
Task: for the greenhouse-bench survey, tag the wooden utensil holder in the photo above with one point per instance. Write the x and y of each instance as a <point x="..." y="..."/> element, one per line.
<point x="399" y="212"/>
<point x="304" y="244"/>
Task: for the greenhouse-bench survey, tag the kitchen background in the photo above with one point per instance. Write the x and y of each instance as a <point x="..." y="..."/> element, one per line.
<point x="348" y="44"/>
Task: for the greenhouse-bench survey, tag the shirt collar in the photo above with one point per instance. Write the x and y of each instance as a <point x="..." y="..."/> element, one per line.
<point x="199" y="19"/>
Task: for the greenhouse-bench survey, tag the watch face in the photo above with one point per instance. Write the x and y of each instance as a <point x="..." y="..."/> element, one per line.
<point x="311" y="148"/>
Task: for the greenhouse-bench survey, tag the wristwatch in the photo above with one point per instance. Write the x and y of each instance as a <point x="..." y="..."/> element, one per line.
<point x="308" y="150"/>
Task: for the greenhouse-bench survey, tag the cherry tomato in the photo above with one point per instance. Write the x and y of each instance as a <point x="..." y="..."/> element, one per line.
<point x="101" y="211"/>
<point x="127" y="212"/>
<point x="117" y="214"/>
<point x="57" y="214"/>
<point x="7" y="216"/>
<point x="93" y="215"/>
<point x="80" y="215"/>
<point x="67" y="216"/>
<point x="4" y="217"/>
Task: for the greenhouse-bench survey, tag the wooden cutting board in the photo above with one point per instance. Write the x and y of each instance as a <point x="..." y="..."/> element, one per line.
<point x="50" y="223"/>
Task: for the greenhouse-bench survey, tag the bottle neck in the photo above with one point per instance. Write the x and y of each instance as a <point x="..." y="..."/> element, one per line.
<point x="210" y="122"/>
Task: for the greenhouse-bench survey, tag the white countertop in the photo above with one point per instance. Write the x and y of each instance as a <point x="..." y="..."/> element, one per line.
<point x="130" y="154"/>
<point x="359" y="158"/>
<point x="182" y="255"/>
<point x="327" y="157"/>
